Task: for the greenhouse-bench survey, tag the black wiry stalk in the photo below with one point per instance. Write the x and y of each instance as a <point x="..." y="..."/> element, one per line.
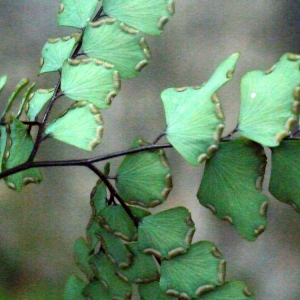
<point x="78" y="162"/>
<point x="114" y="193"/>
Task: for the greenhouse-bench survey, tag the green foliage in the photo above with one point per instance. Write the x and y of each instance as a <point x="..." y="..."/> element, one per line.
<point x="284" y="182"/>
<point x="269" y="102"/>
<point x="137" y="170"/>
<point x="125" y="244"/>
<point x="194" y="115"/>
<point x="80" y="126"/>
<point x="231" y="186"/>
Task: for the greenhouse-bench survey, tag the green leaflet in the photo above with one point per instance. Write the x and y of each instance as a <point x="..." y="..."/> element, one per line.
<point x="18" y="89"/>
<point x="113" y="246"/>
<point x="3" y="80"/>
<point x="144" y="178"/>
<point x="96" y="290"/>
<point x="76" y="13"/>
<point x="232" y="290"/>
<point x="56" y="51"/>
<point x="231" y="186"/>
<point x="114" y="219"/>
<point x="105" y="271"/>
<point x="80" y="126"/>
<point x="149" y="16"/>
<point x="151" y="291"/>
<point x="270" y="102"/>
<point x="82" y="253"/>
<point x="111" y="41"/>
<point x="36" y="102"/>
<point x="74" y="288"/>
<point x="91" y="80"/>
<point x="142" y="270"/>
<point x="18" y="148"/>
<point x="194" y="116"/>
<point x="3" y="141"/>
<point x="98" y="197"/>
<point x="285" y="175"/>
<point x="194" y="273"/>
<point x="25" y="99"/>
<point x="167" y="233"/>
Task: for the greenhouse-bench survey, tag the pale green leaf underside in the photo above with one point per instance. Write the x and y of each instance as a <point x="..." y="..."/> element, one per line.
<point x="231" y="186"/>
<point x="144" y="178"/>
<point x="74" y="288"/>
<point x="81" y="126"/>
<point x="104" y="270"/>
<point x="90" y="80"/>
<point x="18" y="89"/>
<point x="25" y="100"/>
<point x="19" y="148"/>
<point x="194" y="116"/>
<point x="285" y="174"/>
<point x="76" y="13"/>
<point x="37" y="102"/>
<point x="143" y="268"/>
<point x="202" y="263"/>
<point x="55" y="52"/>
<point x="167" y="233"/>
<point x="82" y="255"/>
<point x="3" y="80"/>
<point x="108" y="41"/>
<point x="149" y="16"/>
<point x="269" y="102"/>
<point x="151" y="291"/>
<point x="115" y="220"/>
<point x="232" y="290"/>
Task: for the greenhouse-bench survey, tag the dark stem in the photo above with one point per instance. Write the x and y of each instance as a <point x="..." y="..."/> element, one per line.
<point x="159" y="137"/>
<point x="114" y="193"/>
<point x="78" y="162"/>
<point x="229" y="136"/>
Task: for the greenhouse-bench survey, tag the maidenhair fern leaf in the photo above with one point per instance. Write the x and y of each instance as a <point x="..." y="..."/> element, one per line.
<point x="82" y="254"/>
<point x="113" y="42"/>
<point x="74" y="288"/>
<point x="143" y="268"/>
<point x="285" y="174"/>
<point x="144" y="178"/>
<point x="56" y="51"/>
<point x="231" y="186"/>
<point x="98" y="197"/>
<point x="114" y="219"/>
<point x="24" y="103"/>
<point x="114" y="248"/>
<point x="194" y="273"/>
<point x="96" y="290"/>
<point x="81" y="126"/>
<point x="19" y="147"/>
<point x="151" y="291"/>
<point x="76" y="13"/>
<point x="36" y="102"/>
<point x="149" y="16"/>
<point x="3" y="141"/>
<point x="91" y="80"/>
<point x="194" y="116"/>
<point x="18" y="89"/>
<point x="232" y="290"/>
<point x="167" y="233"/>
<point x="270" y="102"/>
<point x="105" y="271"/>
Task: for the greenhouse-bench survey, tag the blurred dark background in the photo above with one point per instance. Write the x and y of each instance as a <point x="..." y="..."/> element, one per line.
<point x="39" y="226"/>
